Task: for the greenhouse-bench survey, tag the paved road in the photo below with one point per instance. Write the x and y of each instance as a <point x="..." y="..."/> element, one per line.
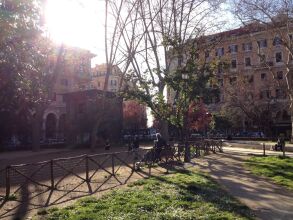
<point x="267" y="200"/>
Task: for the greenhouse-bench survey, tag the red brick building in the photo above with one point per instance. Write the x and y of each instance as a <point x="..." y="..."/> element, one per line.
<point x="89" y="108"/>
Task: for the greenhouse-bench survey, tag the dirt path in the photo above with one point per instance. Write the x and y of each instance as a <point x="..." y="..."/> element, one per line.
<point x="31" y="184"/>
<point x="266" y="199"/>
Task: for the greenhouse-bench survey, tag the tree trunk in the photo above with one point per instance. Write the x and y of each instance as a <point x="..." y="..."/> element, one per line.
<point x="164" y="129"/>
<point x="291" y="129"/>
<point x="94" y="136"/>
<point x="36" y="131"/>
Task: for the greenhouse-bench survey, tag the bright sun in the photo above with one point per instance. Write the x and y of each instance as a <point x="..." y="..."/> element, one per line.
<point x="77" y="23"/>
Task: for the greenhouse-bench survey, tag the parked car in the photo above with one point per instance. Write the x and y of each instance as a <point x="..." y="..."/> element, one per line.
<point x="196" y="135"/>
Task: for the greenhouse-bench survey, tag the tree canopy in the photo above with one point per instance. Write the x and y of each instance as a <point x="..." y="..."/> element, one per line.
<point x="23" y="52"/>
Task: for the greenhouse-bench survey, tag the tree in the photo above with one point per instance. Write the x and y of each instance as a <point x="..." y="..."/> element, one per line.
<point x="24" y="76"/>
<point x="256" y="107"/>
<point x="134" y="115"/>
<point x="158" y="41"/>
<point x="198" y="116"/>
<point x="222" y="123"/>
<point x="275" y="17"/>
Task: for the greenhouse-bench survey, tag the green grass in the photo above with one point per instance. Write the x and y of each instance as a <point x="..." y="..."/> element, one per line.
<point x="278" y="169"/>
<point x="181" y="195"/>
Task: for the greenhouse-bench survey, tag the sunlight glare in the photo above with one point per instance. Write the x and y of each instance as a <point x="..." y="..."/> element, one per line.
<point x="77" y="23"/>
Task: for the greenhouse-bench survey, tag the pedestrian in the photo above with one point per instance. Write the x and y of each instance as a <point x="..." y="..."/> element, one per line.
<point x="136" y="142"/>
<point x="160" y="143"/>
<point x="107" y="146"/>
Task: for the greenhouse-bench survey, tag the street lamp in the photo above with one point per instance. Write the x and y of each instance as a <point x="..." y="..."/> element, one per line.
<point x="185" y="77"/>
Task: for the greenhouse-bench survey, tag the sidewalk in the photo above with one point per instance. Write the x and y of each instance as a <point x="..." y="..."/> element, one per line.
<point x="256" y="144"/>
<point x="250" y="151"/>
<point x="267" y="200"/>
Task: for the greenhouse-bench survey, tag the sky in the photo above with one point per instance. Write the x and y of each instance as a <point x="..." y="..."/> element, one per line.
<point x="80" y="23"/>
<point x="77" y="23"/>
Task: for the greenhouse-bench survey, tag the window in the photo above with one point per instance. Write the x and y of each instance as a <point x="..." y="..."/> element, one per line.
<point x="220" y="69"/>
<point x="81" y="108"/>
<point x="262" y="58"/>
<point x="263" y="76"/>
<point x="220" y="52"/>
<point x="233" y="64"/>
<point x="222" y="97"/>
<point x="280" y="94"/>
<point x="247" y="61"/>
<point x="64" y="82"/>
<point x="207" y="54"/>
<point x="280" y="75"/>
<point x="249" y="96"/>
<point x="279" y="57"/>
<point x="285" y="116"/>
<point x="277" y="41"/>
<point x="99" y="84"/>
<point x="81" y="68"/>
<point x="113" y="82"/>
<point x="265" y="94"/>
<point x="233" y="48"/>
<point x="247" y="46"/>
<point x="262" y="43"/>
<point x="249" y="79"/>
<point x="54" y="96"/>
<point x="233" y="80"/>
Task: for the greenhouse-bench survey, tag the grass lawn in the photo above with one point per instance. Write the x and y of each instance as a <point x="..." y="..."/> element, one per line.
<point x="279" y="169"/>
<point x="181" y="195"/>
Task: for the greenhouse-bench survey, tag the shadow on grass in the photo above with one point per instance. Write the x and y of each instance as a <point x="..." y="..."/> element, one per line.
<point x="209" y="191"/>
<point x="182" y="195"/>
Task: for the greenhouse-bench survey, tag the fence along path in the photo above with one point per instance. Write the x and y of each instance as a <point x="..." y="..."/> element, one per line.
<point x="57" y="181"/>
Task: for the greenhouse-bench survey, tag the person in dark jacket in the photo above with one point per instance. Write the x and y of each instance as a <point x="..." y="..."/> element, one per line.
<point x="160" y="143"/>
<point x="136" y="142"/>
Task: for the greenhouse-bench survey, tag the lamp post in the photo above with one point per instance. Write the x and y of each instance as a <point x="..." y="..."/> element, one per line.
<point x="185" y="77"/>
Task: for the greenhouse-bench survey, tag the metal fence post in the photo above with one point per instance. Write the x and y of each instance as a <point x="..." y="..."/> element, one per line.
<point x="150" y="169"/>
<point x="87" y="169"/>
<point x="197" y="148"/>
<point x="7" y="179"/>
<point x="52" y="174"/>
<point x="113" y="171"/>
<point x="187" y="153"/>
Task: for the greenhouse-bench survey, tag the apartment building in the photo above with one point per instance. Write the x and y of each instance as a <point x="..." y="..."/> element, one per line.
<point x="98" y="78"/>
<point x="252" y="63"/>
<point x="254" y="77"/>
